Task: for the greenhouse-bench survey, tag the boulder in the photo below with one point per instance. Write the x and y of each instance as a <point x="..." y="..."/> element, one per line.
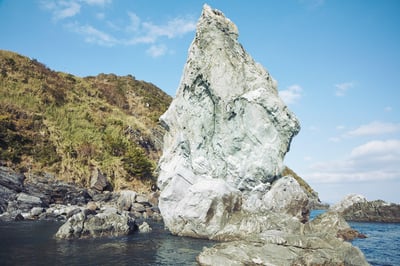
<point x="126" y="199"/>
<point x="98" y="181"/>
<point x="25" y="202"/>
<point x="226" y="123"/>
<point x="108" y="224"/>
<point x="11" y="180"/>
<point x="145" y="228"/>
<point x="11" y="183"/>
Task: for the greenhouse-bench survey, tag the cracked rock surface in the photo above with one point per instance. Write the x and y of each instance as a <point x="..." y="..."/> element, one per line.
<point x="227" y="132"/>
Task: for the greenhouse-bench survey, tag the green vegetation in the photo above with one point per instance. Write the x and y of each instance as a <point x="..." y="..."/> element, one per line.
<point x="59" y="123"/>
<point x="301" y="181"/>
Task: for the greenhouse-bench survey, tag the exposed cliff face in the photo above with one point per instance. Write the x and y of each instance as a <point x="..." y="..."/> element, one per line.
<point x="220" y="174"/>
<point x="227" y="111"/>
<point x="227" y="122"/>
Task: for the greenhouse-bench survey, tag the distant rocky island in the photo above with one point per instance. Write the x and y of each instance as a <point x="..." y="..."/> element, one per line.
<point x="357" y="208"/>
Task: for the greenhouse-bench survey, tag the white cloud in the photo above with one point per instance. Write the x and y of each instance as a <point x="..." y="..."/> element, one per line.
<point x="131" y="31"/>
<point x="335" y="139"/>
<point x="291" y="95"/>
<point x="157" y="50"/>
<point x="134" y="22"/>
<point x="148" y="32"/>
<point x="388" y="109"/>
<point x="377" y="148"/>
<point x="97" y="2"/>
<point x="342" y="88"/>
<point x="372" y="161"/>
<point x="100" y="16"/>
<point x="173" y="28"/>
<point x="374" y="128"/>
<point x="93" y="35"/>
<point x="61" y="9"/>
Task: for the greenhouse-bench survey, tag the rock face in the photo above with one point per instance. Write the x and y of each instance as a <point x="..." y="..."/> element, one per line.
<point x="227" y="128"/>
<point x="220" y="173"/>
<point x="357" y="208"/>
<point x="317" y="242"/>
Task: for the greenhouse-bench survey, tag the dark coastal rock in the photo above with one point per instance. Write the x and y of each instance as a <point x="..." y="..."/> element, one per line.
<point x="358" y="209"/>
<point x="11" y="180"/>
<point x="43" y="197"/>
<point x="98" y="181"/>
<point x="11" y="183"/>
<point x="57" y="192"/>
<point x="373" y="211"/>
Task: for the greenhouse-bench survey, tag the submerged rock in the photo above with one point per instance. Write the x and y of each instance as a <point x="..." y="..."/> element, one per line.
<point x="85" y="225"/>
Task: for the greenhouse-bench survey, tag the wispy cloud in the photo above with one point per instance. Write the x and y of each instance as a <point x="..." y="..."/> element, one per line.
<point x="157" y="50"/>
<point x="131" y="31"/>
<point x="148" y="33"/>
<point x="388" y="109"/>
<point x="374" y="128"/>
<point x="97" y="2"/>
<point x="61" y="9"/>
<point x="342" y="88"/>
<point x="93" y="35"/>
<point x="292" y="94"/>
<point x="173" y="28"/>
<point x="372" y="161"/>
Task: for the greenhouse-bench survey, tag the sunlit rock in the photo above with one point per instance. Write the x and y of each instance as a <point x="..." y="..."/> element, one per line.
<point x="226" y="122"/>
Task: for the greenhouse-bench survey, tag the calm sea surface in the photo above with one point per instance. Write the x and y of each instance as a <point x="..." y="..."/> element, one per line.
<point x="382" y="245"/>
<point x="32" y="243"/>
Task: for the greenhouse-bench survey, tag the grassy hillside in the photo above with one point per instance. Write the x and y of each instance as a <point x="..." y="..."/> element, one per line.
<point x="66" y="125"/>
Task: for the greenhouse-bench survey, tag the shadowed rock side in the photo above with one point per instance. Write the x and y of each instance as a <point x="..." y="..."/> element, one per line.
<point x="220" y="173"/>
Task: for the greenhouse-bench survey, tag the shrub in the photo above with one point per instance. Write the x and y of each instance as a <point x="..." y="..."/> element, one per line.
<point x="137" y="165"/>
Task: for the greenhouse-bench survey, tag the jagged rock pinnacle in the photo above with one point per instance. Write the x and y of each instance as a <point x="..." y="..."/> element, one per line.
<point x="226" y="123"/>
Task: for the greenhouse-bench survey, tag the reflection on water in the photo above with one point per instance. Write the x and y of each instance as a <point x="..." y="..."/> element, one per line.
<point x="32" y="243"/>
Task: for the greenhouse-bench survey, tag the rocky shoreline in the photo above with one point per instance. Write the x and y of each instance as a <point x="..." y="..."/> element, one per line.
<point x="356" y="208"/>
<point x="86" y="212"/>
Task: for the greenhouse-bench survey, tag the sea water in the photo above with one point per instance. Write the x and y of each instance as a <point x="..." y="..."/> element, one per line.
<point x="32" y="243"/>
<point x="382" y="245"/>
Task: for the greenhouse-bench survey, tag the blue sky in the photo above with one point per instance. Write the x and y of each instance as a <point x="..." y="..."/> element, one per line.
<point x="337" y="63"/>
